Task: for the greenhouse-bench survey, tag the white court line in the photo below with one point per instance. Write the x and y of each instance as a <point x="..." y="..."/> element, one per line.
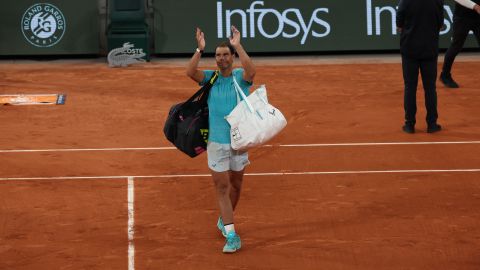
<point x="131" y="225"/>
<point x="86" y="149"/>
<point x="64" y="178"/>
<point x="372" y="144"/>
<point x="268" y="145"/>
<point x="246" y="174"/>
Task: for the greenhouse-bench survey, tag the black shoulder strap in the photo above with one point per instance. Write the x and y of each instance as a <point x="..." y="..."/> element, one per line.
<point x="206" y="88"/>
<point x="213" y="78"/>
<point x="203" y="93"/>
<point x="209" y="85"/>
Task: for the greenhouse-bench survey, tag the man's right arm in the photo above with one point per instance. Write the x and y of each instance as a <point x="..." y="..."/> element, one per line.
<point x="192" y="68"/>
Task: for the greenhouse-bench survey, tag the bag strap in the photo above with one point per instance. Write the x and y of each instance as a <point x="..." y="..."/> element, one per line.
<point x="209" y="85"/>
<point x="203" y="93"/>
<point x="239" y="91"/>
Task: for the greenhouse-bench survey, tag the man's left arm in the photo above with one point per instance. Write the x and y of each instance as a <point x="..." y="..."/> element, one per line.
<point x="247" y="63"/>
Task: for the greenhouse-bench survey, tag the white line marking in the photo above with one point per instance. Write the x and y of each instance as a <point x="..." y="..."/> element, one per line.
<point x="131" y="225"/>
<point x="268" y="145"/>
<point x="372" y="144"/>
<point x="86" y="149"/>
<point x="364" y="172"/>
<point x="64" y="178"/>
<point x="247" y="174"/>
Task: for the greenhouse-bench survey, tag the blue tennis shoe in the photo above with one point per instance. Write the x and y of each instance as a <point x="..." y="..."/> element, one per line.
<point x="233" y="243"/>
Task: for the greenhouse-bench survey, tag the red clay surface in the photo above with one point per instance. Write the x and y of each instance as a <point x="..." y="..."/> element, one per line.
<point x="390" y="220"/>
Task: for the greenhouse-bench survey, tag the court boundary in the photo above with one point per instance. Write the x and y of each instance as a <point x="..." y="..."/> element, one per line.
<point x="123" y="177"/>
<point x="263" y="146"/>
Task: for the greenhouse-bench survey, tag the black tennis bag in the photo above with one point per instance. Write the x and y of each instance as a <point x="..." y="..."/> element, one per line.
<point x="187" y="122"/>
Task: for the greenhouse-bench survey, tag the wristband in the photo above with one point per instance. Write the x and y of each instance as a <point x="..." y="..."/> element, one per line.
<point x="198" y="50"/>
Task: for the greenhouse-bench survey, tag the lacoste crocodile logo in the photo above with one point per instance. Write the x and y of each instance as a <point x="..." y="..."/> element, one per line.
<point x="124" y="56"/>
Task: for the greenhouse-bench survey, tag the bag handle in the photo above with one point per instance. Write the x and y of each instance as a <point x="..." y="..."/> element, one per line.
<point x="239" y="91"/>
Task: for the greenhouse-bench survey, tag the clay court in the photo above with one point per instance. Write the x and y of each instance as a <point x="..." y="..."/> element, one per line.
<point x="93" y="184"/>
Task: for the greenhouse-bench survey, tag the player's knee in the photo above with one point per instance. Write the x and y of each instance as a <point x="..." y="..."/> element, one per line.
<point x="236" y="184"/>
<point x="222" y="187"/>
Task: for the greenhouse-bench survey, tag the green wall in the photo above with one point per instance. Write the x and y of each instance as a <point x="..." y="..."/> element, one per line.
<point x="266" y="26"/>
<point x="284" y="25"/>
<point x="28" y="27"/>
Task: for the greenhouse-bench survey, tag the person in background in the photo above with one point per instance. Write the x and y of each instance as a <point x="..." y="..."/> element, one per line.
<point x="419" y="23"/>
<point x="465" y="19"/>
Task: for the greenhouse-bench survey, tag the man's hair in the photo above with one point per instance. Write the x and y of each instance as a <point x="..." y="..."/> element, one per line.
<point x="226" y="44"/>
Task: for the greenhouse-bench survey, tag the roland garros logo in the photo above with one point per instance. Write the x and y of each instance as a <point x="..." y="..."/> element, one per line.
<point x="43" y="25"/>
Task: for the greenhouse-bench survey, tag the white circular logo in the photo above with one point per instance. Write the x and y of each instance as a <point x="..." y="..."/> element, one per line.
<point x="43" y="25"/>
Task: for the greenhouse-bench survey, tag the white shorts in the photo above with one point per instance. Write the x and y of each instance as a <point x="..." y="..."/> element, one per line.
<point x="222" y="158"/>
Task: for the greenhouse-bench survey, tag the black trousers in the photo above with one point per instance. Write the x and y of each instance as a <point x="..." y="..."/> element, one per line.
<point x="428" y="70"/>
<point x="461" y="28"/>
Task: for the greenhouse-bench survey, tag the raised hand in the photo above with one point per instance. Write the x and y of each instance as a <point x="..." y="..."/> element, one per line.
<point x="235" y="37"/>
<point x="200" y="39"/>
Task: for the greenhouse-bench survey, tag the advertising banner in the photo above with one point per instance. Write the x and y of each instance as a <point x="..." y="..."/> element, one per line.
<point x="50" y="27"/>
<point x="285" y="25"/>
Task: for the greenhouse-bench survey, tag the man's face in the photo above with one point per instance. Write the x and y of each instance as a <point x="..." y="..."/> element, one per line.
<point x="224" y="58"/>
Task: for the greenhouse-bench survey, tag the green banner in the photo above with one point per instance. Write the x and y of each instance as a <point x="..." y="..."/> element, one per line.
<point x="285" y="25"/>
<point x="49" y="27"/>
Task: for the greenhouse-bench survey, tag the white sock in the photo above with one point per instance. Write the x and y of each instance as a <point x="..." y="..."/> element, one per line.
<point x="229" y="228"/>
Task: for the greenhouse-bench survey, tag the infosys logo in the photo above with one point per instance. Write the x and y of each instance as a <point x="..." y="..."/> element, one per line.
<point x="289" y="23"/>
<point x="43" y="25"/>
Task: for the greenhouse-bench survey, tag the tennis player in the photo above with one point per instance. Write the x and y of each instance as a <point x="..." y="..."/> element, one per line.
<point x="226" y="165"/>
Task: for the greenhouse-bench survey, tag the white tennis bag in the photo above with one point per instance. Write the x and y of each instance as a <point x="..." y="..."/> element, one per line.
<point x="253" y="121"/>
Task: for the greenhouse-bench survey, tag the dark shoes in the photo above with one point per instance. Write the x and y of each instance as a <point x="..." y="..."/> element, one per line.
<point x="408" y="128"/>
<point x="448" y="81"/>
<point x="434" y="128"/>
